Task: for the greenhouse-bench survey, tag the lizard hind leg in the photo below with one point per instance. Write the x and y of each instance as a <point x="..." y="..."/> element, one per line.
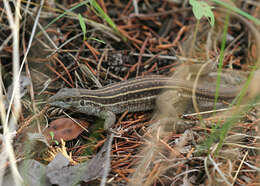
<point x="170" y="105"/>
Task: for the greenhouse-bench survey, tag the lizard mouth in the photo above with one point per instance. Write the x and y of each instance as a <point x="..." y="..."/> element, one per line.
<point x="60" y="104"/>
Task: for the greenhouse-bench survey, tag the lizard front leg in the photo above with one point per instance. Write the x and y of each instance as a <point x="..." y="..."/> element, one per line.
<point x="109" y="117"/>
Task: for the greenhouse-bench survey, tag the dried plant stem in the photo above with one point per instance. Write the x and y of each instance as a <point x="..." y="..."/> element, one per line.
<point x="9" y="125"/>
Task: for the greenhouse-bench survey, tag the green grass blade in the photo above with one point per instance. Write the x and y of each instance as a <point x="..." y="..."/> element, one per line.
<point x="63" y="14"/>
<point x="105" y="17"/>
<point x="237" y="10"/>
<point x="221" y="59"/>
<point x="83" y="26"/>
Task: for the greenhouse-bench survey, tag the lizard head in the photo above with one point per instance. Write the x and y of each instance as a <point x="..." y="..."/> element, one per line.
<point x="64" y="98"/>
<point x="72" y="99"/>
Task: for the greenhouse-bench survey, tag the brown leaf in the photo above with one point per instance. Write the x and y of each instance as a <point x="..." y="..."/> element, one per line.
<point x="61" y="174"/>
<point x="65" y="128"/>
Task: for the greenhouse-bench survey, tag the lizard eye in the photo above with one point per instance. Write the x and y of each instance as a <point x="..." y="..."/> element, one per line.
<point x="81" y="103"/>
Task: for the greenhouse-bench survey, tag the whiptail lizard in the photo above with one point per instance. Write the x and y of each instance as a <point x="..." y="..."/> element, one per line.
<point x="133" y="95"/>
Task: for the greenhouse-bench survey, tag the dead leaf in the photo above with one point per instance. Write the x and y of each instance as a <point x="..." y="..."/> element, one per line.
<point x="32" y="172"/>
<point x="62" y="174"/>
<point x="65" y="128"/>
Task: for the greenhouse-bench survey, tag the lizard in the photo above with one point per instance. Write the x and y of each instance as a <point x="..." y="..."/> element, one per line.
<point x="134" y="95"/>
